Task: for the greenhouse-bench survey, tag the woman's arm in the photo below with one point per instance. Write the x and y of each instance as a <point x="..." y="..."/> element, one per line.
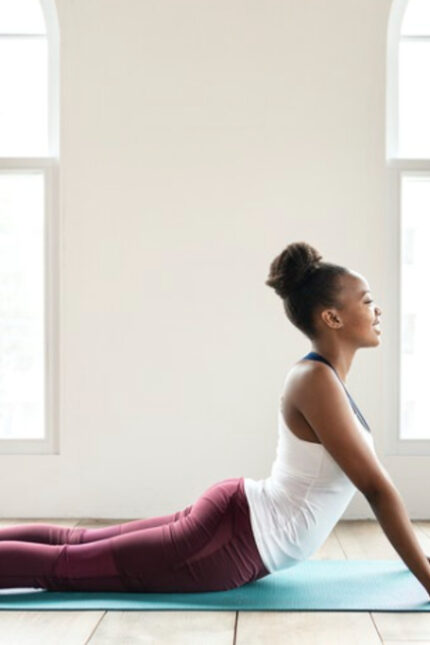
<point x="391" y="513"/>
<point x="321" y="399"/>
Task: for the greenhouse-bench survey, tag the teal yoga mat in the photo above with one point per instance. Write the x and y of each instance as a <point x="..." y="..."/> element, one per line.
<point x="313" y="585"/>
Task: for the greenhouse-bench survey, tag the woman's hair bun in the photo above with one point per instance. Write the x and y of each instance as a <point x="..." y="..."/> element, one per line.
<point x="291" y="267"/>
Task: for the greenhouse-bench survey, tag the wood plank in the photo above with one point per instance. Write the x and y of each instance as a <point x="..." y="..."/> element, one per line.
<point x="166" y="627"/>
<point x="402" y="626"/>
<point x="423" y="526"/>
<point x="48" y="627"/>
<point x="402" y="642"/>
<point x="306" y="628"/>
<point x="95" y="523"/>
<point x="330" y="550"/>
<point x="365" y="540"/>
<point x="11" y="521"/>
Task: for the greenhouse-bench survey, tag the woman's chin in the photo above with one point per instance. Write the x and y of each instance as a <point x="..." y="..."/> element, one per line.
<point x="377" y="335"/>
<point x="372" y="340"/>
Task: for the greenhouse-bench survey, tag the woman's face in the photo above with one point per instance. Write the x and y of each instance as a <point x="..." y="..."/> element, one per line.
<point x="355" y="321"/>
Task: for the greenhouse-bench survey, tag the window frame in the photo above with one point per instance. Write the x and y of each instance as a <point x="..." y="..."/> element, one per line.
<point x="397" y="168"/>
<point x="48" y="167"/>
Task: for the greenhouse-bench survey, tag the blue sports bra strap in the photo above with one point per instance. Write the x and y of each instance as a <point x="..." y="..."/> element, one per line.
<point x="317" y="357"/>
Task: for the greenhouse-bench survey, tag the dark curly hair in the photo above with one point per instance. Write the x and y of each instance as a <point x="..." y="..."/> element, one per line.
<point x="305" y="283"/>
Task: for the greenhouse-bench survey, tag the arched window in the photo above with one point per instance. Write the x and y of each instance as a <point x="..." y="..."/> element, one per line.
<point x="408" y="158"/>
<point x="29" y="155"/>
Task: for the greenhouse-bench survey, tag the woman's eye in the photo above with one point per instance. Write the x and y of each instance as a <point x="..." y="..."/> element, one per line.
<point x="368" y="302"/>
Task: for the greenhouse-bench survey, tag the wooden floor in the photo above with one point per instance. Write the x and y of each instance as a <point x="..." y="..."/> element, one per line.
<point x="349" y="540"/>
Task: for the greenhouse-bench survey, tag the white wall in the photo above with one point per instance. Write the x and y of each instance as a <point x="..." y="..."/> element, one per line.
<point x="198" y="139"/>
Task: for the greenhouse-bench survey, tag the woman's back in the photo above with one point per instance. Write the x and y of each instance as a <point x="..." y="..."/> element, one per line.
<point x="293" y="418"/>
<point x="294" y="509"/>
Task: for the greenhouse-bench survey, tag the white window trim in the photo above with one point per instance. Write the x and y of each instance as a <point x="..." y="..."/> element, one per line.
<point x="49" y="167"/>
<point x="396" y="168"/>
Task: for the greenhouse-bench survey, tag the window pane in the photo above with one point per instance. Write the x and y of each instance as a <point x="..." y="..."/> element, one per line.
<point x="22" y="341"/>
<point x="23" y="97"/>
<point x="414" y="99"/>
<point x="416" y="19"/>
<point x="21" y="17"/>
<point x="415" y="306"/>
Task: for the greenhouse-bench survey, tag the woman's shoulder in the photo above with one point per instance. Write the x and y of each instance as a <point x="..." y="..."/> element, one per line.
<point x="305" y="366"/>
<point x="299" y="377"/>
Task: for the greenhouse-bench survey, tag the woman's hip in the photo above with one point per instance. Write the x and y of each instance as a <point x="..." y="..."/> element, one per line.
<point x="230" y="552"/>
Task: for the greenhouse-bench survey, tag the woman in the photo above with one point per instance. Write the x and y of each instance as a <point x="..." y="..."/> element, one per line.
<point x="240" y="529"/>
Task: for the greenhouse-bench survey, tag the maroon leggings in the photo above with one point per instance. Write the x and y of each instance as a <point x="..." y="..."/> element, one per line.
<point x="208" y="546"/>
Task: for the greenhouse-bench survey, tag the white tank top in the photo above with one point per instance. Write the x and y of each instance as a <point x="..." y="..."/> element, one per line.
<point x="294" y="510"/>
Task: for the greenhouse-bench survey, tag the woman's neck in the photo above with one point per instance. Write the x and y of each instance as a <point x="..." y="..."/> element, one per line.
<point x="339" y="358"/>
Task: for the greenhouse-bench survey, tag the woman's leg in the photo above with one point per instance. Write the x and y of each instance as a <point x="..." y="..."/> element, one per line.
<point x="80" y="567"/>
<point x="210" y="548"/>
<point x="44" y="533"/>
